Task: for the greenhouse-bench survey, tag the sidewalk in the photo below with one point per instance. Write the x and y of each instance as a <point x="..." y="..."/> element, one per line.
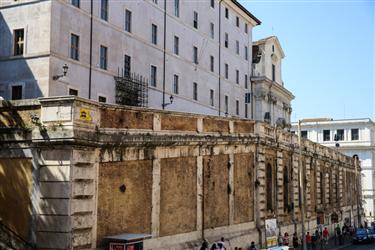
<point x="334" y="246"/>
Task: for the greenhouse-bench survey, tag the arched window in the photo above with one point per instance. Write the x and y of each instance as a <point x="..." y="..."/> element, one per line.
<point x="269" y="193"/>
<point x="286" y="188"/>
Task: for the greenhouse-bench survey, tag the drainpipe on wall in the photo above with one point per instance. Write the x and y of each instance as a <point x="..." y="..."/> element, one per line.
<point x="164" y="50"/>
<point x="220" y="57"/>
<point x="91" y="28"/>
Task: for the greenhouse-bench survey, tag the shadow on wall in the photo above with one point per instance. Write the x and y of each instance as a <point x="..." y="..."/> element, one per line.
<point x="15" y="71"/>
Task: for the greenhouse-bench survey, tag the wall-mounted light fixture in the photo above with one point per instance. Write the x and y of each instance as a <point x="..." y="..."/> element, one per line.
<point x="65" y="71"/>
<point x="170" y="102"/>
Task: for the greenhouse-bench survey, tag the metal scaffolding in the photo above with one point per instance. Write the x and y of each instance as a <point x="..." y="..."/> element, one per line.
<point x="131" y="89"/>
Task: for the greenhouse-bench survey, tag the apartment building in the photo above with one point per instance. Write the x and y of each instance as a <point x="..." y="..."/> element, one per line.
<point x="195" y="56"/>
<point x="350" y="137"/>
<point x="272" y="100"/>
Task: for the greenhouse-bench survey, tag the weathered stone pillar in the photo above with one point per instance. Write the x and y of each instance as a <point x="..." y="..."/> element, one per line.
<point x="155" y="216"/>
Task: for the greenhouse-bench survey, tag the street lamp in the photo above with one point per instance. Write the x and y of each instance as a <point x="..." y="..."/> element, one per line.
<point x="170" y="102"/>
<point x="65" y="71"/>
<point x="300" y="182"/>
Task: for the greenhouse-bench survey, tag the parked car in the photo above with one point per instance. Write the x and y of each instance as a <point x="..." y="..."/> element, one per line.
<point x="361" y="235"/>
<point x="371" y="232"/>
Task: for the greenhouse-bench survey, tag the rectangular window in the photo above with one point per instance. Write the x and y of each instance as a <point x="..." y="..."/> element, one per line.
<point x="355" y="134"/>
<point x="153" y="75"/>
<point x="74" y="47"/>
<point x="273" y="72"/>
<point x="246" y="28"/>
<point x="154" y="34"/>
<point x="103" y="57"/>
<point x="176" y="45"/>
<point x="127" y="65"/>
<point x="237" y="47"/>
<point x="76" y="3"/>
<point x="340" y="135"/>
<point x="19" y="42"/>
<point x="226" y="99"/>
<point x="226" y="43"/>
<point x="17" y="92"/>
<point x="155" y="1"/>
<point x="246" y="111"/>
<point x="212" y="30"/>
<point x="246" y="54"/>
<point x="226" y="71"/>
<point x="104" y="10"/>
<point x="246" y="85"/>
<point x="237" y="76"/>
<point x="175" y="84"/>
<point x="195" y="55"/>
<point x="177" y="8"/>
<point x="195" y="22"/>
<point x="213" y="3"/>
<point x="237" y="21"/>
<point x="326" y="135"/>
<point x="212" y="103"/>
<point x="73" y="92"/>
<point x="237" y="107"/>
<point x="226" y="13"/>
<point x="128" y="21"/>
<point x="304" y="134"/>
<point x="195" y="91"/>
<point x="102" y="99"/>
<point x="212" y="63"/>
<point x="247" y="97"/>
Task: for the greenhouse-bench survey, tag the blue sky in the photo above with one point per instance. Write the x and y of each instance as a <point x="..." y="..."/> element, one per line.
<point x="329" y="47"/>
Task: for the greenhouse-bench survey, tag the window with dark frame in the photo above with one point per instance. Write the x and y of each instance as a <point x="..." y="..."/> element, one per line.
<point x="246" y="111"/>
<point x="176" y="45"/>
<point x="104" y="10"/>
<point x="246" y="84"/>
<point x="226" y="103"/>
<point x="212" y="100"/>
<point x="128" y="21"/>
<point x="154" y="34"/>
<point x="195" y="91"/>
<point x="195" y="55"/>
<point x="19" y="42"/>
<point x="273" y="72"/>
<point x="102" y="99"/>
<point x="304" y="134"/>
<point x="212" y="63"/>
<point x="286" y="188"/>
<point x="226" y="13"/>
<point x="76" y="3"/>
<point x="269" y="187"/>
<point x="355" y="134"/>
<point x="153" y="77"/>
<point x="246" y="28"/>
<point x="340" y="134"/>
<point x="73" y="92"/>
<point x="213" y="3"/>
<point x="175" y="84"/>
<point x="195" y="22"/>
<point x="16" y="92"/>
<point x="212" y="30"/>
<point x="127" y="65"/>
<point x="237" y="107"/>
<point x="237" y="76"/>
<point x="226" y="42"/>
<point x="226" y="71"/>
<point x="237" y="21"/>
<point x="103" y="57"/>
<point x="237" y="47"/>
<point x="177" y="8"/>
<point x="246" y="54"/>
<point x="326" y="135"/>
<point x="74" y="47"/>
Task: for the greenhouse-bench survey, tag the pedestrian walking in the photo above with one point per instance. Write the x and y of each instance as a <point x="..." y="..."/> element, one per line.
<point x="204" y="245"/>
<point x="252" y="246"/>
<point x="295" y="241"/>
<point x="286" y="239"/>
<point x="326" y="235"/>
<point x="221" y="244"/>
<point x="308" y="240"/>
<point x="314" y="240"/>
<point x="280" y="239"/>
<point x="214" y="247"/>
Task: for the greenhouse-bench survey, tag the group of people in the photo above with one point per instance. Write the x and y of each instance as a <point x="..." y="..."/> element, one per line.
<point x="312" y="240"/>
<point x="220" y="245"/>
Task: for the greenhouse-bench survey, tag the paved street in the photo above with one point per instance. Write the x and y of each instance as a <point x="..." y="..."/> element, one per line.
<point x="360" y="247"/>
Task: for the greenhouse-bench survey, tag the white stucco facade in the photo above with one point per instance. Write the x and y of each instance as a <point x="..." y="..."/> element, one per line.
<point x="271" y="99"/>
<point x="358" y="139"/>
<point x="49" y="25"/>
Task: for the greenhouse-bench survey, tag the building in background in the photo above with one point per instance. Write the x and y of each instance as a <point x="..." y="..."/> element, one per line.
<point x="351" y="137"/>
<point x="272" y="100"/>
<point x="198" y="52"/>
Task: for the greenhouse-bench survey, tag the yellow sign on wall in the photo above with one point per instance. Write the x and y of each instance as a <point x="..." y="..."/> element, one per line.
<point x="84" y="115"/>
